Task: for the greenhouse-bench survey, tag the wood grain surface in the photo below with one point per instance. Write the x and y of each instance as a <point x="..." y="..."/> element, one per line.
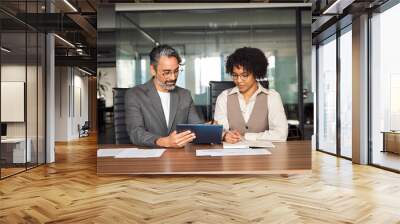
<point x="286" y="158"/>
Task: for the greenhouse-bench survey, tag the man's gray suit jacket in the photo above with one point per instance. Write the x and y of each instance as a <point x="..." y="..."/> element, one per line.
<point x="145" y="119"/>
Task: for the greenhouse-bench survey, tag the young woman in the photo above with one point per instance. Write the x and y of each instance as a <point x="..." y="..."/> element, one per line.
<point x="249" y="110"/>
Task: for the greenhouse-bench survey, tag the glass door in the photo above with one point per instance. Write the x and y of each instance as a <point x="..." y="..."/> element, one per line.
<point x="326" y="96"/>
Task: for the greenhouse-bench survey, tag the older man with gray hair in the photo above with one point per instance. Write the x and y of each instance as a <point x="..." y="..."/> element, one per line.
<point x="153" y="109"/>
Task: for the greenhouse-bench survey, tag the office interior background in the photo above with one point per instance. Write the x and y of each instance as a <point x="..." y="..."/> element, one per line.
<point x="333" y="62"/>
<point x="205" y="38"/>
<point x="310" y="66"/>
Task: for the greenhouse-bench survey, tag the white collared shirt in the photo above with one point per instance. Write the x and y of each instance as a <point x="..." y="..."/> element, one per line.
<point x="165" y="102"/>
<point x="278" y="126"/>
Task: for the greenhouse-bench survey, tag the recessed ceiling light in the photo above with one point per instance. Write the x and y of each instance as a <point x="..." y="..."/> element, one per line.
<point x="337" y="7"/>
<point x="84" y="71"/>
<point x="64" y="40"/>
<point x="70" y="5"/>
<point x="5" y="50"/>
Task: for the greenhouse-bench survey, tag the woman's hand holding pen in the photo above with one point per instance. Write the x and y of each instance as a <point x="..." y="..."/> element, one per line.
<point x="232" y="136"/>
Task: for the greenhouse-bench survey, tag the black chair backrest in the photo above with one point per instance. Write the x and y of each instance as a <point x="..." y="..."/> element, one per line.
<point x="86" y="126"/>
<point x="121" y="134"/>
<point x="217" y="87"/>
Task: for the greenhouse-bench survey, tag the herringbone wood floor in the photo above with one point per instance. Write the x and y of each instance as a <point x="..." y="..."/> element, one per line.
<point x="69" y="191"/>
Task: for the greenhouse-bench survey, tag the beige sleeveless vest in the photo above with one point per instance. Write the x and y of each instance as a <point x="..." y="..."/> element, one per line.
<point x="258" y="120"/>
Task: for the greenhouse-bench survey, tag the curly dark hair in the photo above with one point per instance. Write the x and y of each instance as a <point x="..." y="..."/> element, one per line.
<point x="253" y="60"/>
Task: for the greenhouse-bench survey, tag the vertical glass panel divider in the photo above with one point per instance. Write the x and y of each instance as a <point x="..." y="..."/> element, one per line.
<point x="338" y="130"/>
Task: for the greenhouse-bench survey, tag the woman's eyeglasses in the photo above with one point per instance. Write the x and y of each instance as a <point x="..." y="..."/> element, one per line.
<point x="243" y="76"/>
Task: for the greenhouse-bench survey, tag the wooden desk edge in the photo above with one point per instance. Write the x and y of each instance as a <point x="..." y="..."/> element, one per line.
<point x="263" y="172"/>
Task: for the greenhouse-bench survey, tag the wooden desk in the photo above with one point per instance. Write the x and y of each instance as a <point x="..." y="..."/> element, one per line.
<point x="391" y="141"/>
<point x="286" y="158"/>
<point x="13" y="150"/>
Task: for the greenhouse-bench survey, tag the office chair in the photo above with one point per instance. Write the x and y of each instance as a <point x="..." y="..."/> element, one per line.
<point x="121" y="134"/>
<point x="217" y="87"/>
<point x="84" y="129"/>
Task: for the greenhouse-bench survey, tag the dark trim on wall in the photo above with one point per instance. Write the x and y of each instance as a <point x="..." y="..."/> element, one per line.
<point x="45" y="94"/>
<point x="331" y="30"/>
<point x="69" y="90"/>
<point x="60" y="86"/>
<point x="26" y="90"/>
<point x="299" y="46"/>
<point x="196" y="10"/>
<point x="80" y="103"/>
<point x="333" y="154"/>
<point x="385" y="168"/>
<point x="316" y="96"/>
<point x="369" y="78"/>
<point x="73" y="91"/>
<point x="387" y="5"/>
<point x="37" y="95"/>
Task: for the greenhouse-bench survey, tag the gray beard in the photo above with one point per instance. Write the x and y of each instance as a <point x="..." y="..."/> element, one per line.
<point x="164" y="85"/>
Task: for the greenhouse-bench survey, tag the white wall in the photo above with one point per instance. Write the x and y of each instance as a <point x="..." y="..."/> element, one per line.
<point x="61" y="103"/>
<point x="80" y="104"/>
<point x="33" y="125"/>
<point x="71" y="87"/>
<point x="16" y="73"/>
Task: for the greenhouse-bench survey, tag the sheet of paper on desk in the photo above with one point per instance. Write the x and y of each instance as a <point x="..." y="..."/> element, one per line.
<point x="108" y="152"/>
<point x="259" y="144"/>
<point x="248" y="144"/>
<point x="232" y="152"/>
<point x="140" y="153"/>
<point x="239" y="145"/>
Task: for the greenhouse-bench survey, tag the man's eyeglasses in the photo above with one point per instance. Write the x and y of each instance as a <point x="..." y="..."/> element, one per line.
<point x="243" y="76"/>
<point x="169" y="73"/>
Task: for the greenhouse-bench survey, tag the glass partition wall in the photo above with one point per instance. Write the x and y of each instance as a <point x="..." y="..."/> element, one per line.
<point x="22" y="79"/>
<point x="385" y="89"/>
<point x="334" y="93"/>
<point x="204" y="39"/>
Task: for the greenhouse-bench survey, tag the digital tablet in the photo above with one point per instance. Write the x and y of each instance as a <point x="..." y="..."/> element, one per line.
<point x="205" y="133"/>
